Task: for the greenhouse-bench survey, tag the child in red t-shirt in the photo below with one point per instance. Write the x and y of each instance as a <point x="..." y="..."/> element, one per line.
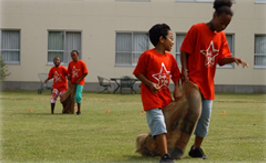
<point x="77" y="70"/>
<point x="204" y="47"/>
<point x="58" y="73"/>
<point x="154" y="69"/>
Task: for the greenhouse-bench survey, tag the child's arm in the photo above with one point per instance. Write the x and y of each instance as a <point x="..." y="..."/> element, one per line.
<point x="183" y="58"/>
<point x="47" y="80"/>
<point x="83" y="76"/>
<point x="177" y="93"/>
<point x="154" y="87"/>
<point x="238" y="61"/>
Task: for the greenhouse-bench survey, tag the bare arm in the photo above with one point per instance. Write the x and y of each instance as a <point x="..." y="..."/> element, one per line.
<point x="238" y="61"/>
<point x="177" y="94"/>
<point x="47" y="80"/>
<point x="183" y="58"/>
<point x="154" y="87"/>
<point x="83" y="76"/>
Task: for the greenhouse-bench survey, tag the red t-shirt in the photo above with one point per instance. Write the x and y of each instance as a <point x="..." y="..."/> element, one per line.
<point x="59" y="75"/>
<point x="76" y="70"/>
<point x="205" y="48"/>
<point x="157" y="68"/>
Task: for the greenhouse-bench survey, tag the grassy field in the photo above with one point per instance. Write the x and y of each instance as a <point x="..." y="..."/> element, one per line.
<point x="96" y="136"/>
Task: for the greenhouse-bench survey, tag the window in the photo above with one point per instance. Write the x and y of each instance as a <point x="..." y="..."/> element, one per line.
<point x="129" y="47"/>
<point x="180" y="38"/>
<point x="260" y="51"/>
<point x="231" y="43"/>
<point x="61" y="43"/>
<point x="10" y="46"/>
<point x="260" y="1"/>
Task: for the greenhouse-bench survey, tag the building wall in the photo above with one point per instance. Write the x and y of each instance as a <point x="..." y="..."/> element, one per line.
<point x="99" y="20"/>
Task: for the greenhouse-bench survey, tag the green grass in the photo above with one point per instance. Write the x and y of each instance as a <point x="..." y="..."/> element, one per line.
<point x="97" y="136"/>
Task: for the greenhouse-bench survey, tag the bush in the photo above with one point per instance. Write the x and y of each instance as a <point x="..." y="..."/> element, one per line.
<point x="4" y="72"/>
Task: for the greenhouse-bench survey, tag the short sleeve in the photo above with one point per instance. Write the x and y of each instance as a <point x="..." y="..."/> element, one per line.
<point x="175" y="70"/>
<point x="142" y="63"/>
<point x="224" y="50"/>
<point x="85" y="69"/>
<point x="189" y="42"/>
<point x="51" y="74"/>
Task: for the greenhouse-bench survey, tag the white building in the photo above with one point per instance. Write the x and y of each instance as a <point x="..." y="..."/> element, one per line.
<point x="111" y="34"/>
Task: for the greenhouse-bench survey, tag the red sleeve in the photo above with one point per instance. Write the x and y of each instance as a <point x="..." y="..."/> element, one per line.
<point x="65" y="71"/>
<point x="224" y="50"/>
<point x="85" y="70"/>
<point x="69" y="68"/>
<point x="141" y="66"/>
<point x="189" y="42"/>
<point x="175" y="70"/>
<point x="51" y="73"/>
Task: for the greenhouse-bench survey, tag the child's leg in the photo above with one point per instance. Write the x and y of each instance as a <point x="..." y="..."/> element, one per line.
<point x="61" y="94"/>
<point x="53" y="99"/>
<point x="78" y="96"/>
<point x="162" y="143"/>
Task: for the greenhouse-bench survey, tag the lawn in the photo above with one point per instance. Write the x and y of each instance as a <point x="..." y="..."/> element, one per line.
<point x="238" y="135"/>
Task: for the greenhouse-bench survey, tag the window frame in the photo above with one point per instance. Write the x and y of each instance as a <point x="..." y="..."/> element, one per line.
<point x="232" y="65"/>
<point x="132" y="46"/>
<point x="260" y="1"/>
<point x="19" y="50"/>
<point x="258" y="54"/>
<point x="64" y="43"/>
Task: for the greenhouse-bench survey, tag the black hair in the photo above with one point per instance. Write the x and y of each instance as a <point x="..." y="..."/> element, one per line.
<point x="75" y="51"/>
<point x="157" y="31"/>
<point x="223" y="6"/>
<point x="56" y="57"/>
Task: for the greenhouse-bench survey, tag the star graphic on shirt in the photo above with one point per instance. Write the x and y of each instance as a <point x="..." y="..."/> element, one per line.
<point x="162" y="77"/>
<point x="57" y="77"/>
<point x="75" y="72"/>
<point x="210" y="54"/>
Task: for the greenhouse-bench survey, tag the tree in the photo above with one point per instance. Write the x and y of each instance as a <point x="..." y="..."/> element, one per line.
<point x="3" y="70"/>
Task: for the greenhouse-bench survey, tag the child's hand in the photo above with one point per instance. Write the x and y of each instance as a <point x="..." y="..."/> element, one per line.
<point x="177" y="95"/>
<point x="242" y="62"/>
<point x="46" y="81"/>
<point x="155" y="87"/>
<point x="184" y="75"/>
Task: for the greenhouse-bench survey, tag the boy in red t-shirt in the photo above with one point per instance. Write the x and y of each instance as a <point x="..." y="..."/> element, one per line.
<point x="154" y="69"/>
<point x="204" y="47"/>
<point x="77" y="70"/>
<point x="58" y="73"/>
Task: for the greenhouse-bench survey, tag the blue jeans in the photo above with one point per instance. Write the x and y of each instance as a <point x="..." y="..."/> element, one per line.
<point x="78" y="94"/>
<point x="204" y="120"/>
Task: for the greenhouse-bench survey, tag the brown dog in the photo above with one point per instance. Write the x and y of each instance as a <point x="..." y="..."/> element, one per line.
<point x="181" y="118"/>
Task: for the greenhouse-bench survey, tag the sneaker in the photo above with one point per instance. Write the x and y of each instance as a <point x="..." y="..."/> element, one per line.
<point x="177" y="153"/>
<point x="166" y="159"/>
<point x="197" y="153"/>
<point x="78" y="112"/>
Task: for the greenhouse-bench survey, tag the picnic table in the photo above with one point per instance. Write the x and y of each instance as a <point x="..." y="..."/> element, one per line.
<point x="124" y="82"/>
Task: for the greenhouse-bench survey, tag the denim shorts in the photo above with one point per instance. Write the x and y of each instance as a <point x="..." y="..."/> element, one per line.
<point x="156" y="123"/>
<point x="204" y="120"/>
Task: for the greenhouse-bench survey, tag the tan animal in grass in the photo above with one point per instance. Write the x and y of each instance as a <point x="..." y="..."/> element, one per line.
<point x="181" y="118"/>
